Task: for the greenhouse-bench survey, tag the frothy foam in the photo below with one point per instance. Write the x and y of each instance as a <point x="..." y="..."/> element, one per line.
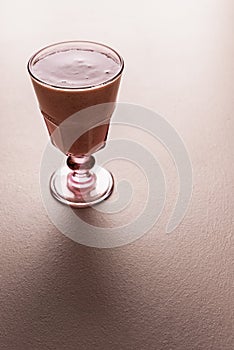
<point x="75" y="68"/>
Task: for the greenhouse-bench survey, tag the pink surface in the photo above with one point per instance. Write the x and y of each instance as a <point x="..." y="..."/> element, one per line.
<point x="170" y="292"/>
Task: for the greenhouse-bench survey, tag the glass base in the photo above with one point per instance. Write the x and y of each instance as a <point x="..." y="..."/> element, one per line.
<point x="81" y="188"/>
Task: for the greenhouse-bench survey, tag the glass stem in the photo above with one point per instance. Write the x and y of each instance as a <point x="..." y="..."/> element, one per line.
<point x="81" y="179"/>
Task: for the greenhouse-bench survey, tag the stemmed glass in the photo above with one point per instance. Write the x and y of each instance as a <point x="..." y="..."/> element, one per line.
<point x="76" y="84"/>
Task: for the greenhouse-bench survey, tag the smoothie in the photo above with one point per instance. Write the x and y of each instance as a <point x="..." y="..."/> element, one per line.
<point x="68" y="80"/>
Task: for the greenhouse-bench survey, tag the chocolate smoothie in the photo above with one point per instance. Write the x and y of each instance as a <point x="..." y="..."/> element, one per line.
<point x="70" y="77"/>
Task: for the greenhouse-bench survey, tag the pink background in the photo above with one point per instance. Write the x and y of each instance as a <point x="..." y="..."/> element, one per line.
<point x="163" y="291"/>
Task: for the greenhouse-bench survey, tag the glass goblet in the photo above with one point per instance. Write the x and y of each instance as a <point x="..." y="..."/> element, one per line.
<point x="76" y="84"/>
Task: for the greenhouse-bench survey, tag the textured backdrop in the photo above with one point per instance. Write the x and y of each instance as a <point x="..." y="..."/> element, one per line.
<point x="169" y="292"/>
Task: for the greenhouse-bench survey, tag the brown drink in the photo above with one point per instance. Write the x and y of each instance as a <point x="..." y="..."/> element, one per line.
<point x="76" y="83"/>
<point x="70" y="78"/>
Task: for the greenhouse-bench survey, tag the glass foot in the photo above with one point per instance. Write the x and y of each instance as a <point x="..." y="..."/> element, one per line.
<point x="81" y="184"/>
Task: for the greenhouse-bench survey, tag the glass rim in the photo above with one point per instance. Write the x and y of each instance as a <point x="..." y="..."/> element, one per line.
<point x="29" y="65"/>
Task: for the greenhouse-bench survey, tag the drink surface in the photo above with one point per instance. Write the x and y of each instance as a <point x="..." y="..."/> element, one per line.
<point x="75" y="68"/>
